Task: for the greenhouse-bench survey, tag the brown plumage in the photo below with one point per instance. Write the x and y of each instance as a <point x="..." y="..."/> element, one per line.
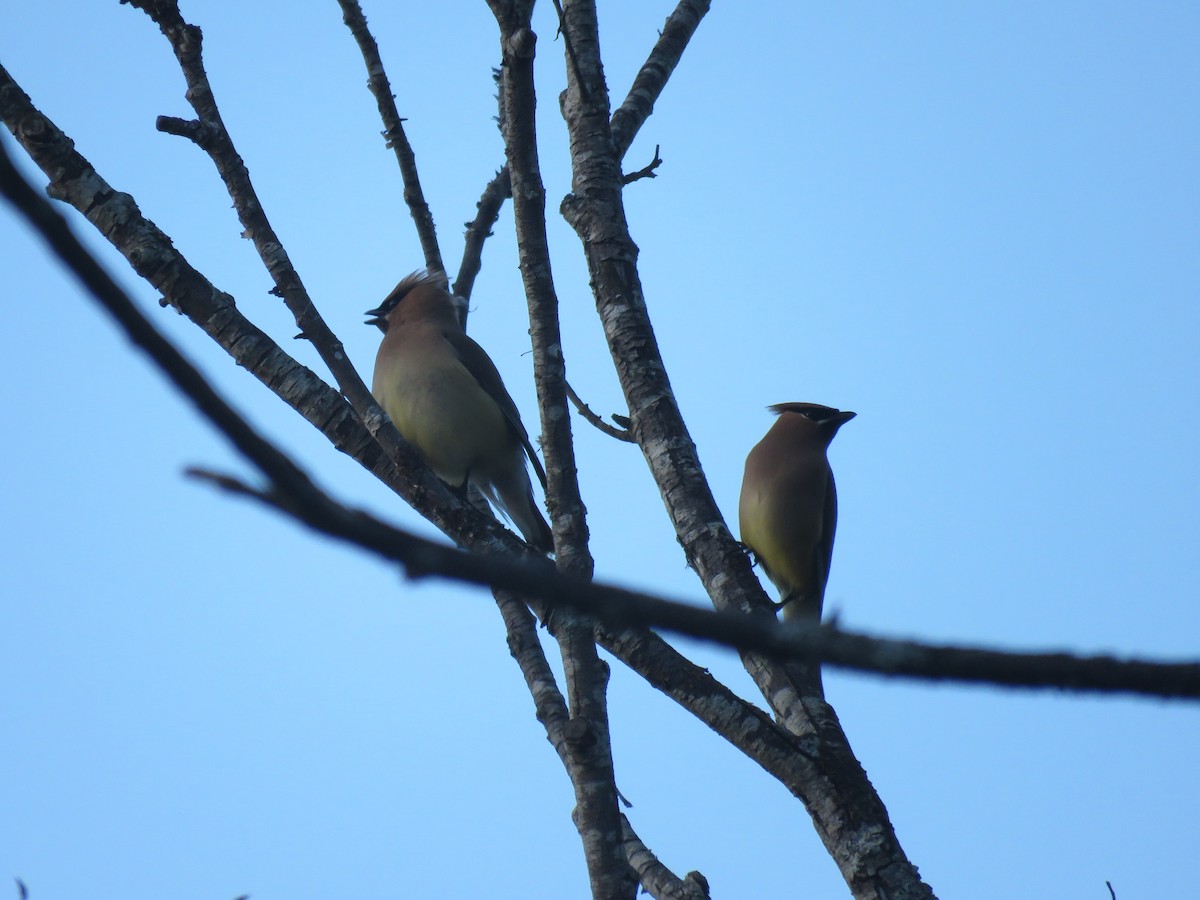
<point x="446" y="398"/>
<point x="788" y="507"/>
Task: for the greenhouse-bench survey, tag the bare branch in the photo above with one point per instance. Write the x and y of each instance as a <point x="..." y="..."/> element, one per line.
<point x="841" y="800"/>
<point x="393" y="132"/>
<point x="652" y="77"/>
<point x="620" y="608"/>
<point x="590" y="765"/>
<point x="293" y="492"/>
<point x="645" y="172"/>
<point x="377" y="446"/>
<point x="209" y="132"/>
<point x="153" y="256"/>
<point x="199" y="133"/>
<point x="479" y="230"/>
<point x="659" y="881"/>
<point x="621" y="434"/>
<point x="526" y="649"/>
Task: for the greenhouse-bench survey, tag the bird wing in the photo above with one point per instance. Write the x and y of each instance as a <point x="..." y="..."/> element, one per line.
<point x="484" y="371"/>
<point x="828" y="527"/>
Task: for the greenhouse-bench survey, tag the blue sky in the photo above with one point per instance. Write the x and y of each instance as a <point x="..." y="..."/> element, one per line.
<point x="976" y="226"/>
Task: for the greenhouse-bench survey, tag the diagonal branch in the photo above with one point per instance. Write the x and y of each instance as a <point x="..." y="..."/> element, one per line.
<point x="393" y="132"/>
<point x="621" y="434"/>
<point x="479" y="230"/>
<point x="210" y="134"/>
<point x="652" y="77"/>
<point x="646" y="171"/>
<point x="659" y="881"/>
<point x="152" y="255"/>
<point x="293" y="492"/>
<point x="425" y="555"/>
<point x="290" y="488"/>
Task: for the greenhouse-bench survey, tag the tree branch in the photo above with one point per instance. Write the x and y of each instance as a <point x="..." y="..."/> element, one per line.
<point x="378" y="446"/>
<point x="393" y="132"/>
<point x="847" y="813"/>
<point x="645" y="171"/>
<point x="479" y="230"/>
<point x="623" y="609"/>
<point x="210" y="134"/>
<point x="621" y="434"/>
<point x="153" y="256"/>
<point x="659" y="881"/>
<point x="655" y="71"/>
<point x="293" y="492"/>
<point x="590" y="764"/>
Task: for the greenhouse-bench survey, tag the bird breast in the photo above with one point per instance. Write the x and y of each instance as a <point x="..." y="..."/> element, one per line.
<point x="440" y="408"/>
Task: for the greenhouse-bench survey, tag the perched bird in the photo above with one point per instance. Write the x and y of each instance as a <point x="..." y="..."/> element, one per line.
<point x="788" y="508"/>
<point x="445" y="396"/>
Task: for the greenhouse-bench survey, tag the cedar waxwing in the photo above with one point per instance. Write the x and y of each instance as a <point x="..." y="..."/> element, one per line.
<point x="788" y="508"/>
<point x="445" y="396"/>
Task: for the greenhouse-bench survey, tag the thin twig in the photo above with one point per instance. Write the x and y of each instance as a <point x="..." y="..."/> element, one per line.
<point x="200" y="133"/>
<point x="209" y="132"/>
<point x="479" y="230"/>
<point x="621" y="434"/>
<point x="393" y="132"/>
<point x="653" y="76"/>
<point x="646" y="171"/>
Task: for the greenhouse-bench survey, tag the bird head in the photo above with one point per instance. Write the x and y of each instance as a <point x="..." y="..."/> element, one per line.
<point x="432" y="285"/>
<point x="825" y="419"/>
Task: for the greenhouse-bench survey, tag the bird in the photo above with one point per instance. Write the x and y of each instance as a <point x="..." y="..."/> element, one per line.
<point x="446" y="397"/>
<point x="787" y="512"/>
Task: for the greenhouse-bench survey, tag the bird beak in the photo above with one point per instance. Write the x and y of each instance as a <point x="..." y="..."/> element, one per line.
<point x="376" y="319"/>
<point x="845" y="416"/>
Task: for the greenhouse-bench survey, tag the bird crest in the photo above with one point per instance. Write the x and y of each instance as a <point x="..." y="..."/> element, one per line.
<point x="408" y="283"/>
<point x="813" y="411"/>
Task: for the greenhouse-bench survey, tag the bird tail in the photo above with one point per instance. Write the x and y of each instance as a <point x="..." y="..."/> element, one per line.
<point x="800" y="607"/>
<point x="513" y="496"/>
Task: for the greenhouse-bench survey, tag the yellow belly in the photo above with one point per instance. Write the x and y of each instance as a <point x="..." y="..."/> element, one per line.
<point x="440" y="409"/>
